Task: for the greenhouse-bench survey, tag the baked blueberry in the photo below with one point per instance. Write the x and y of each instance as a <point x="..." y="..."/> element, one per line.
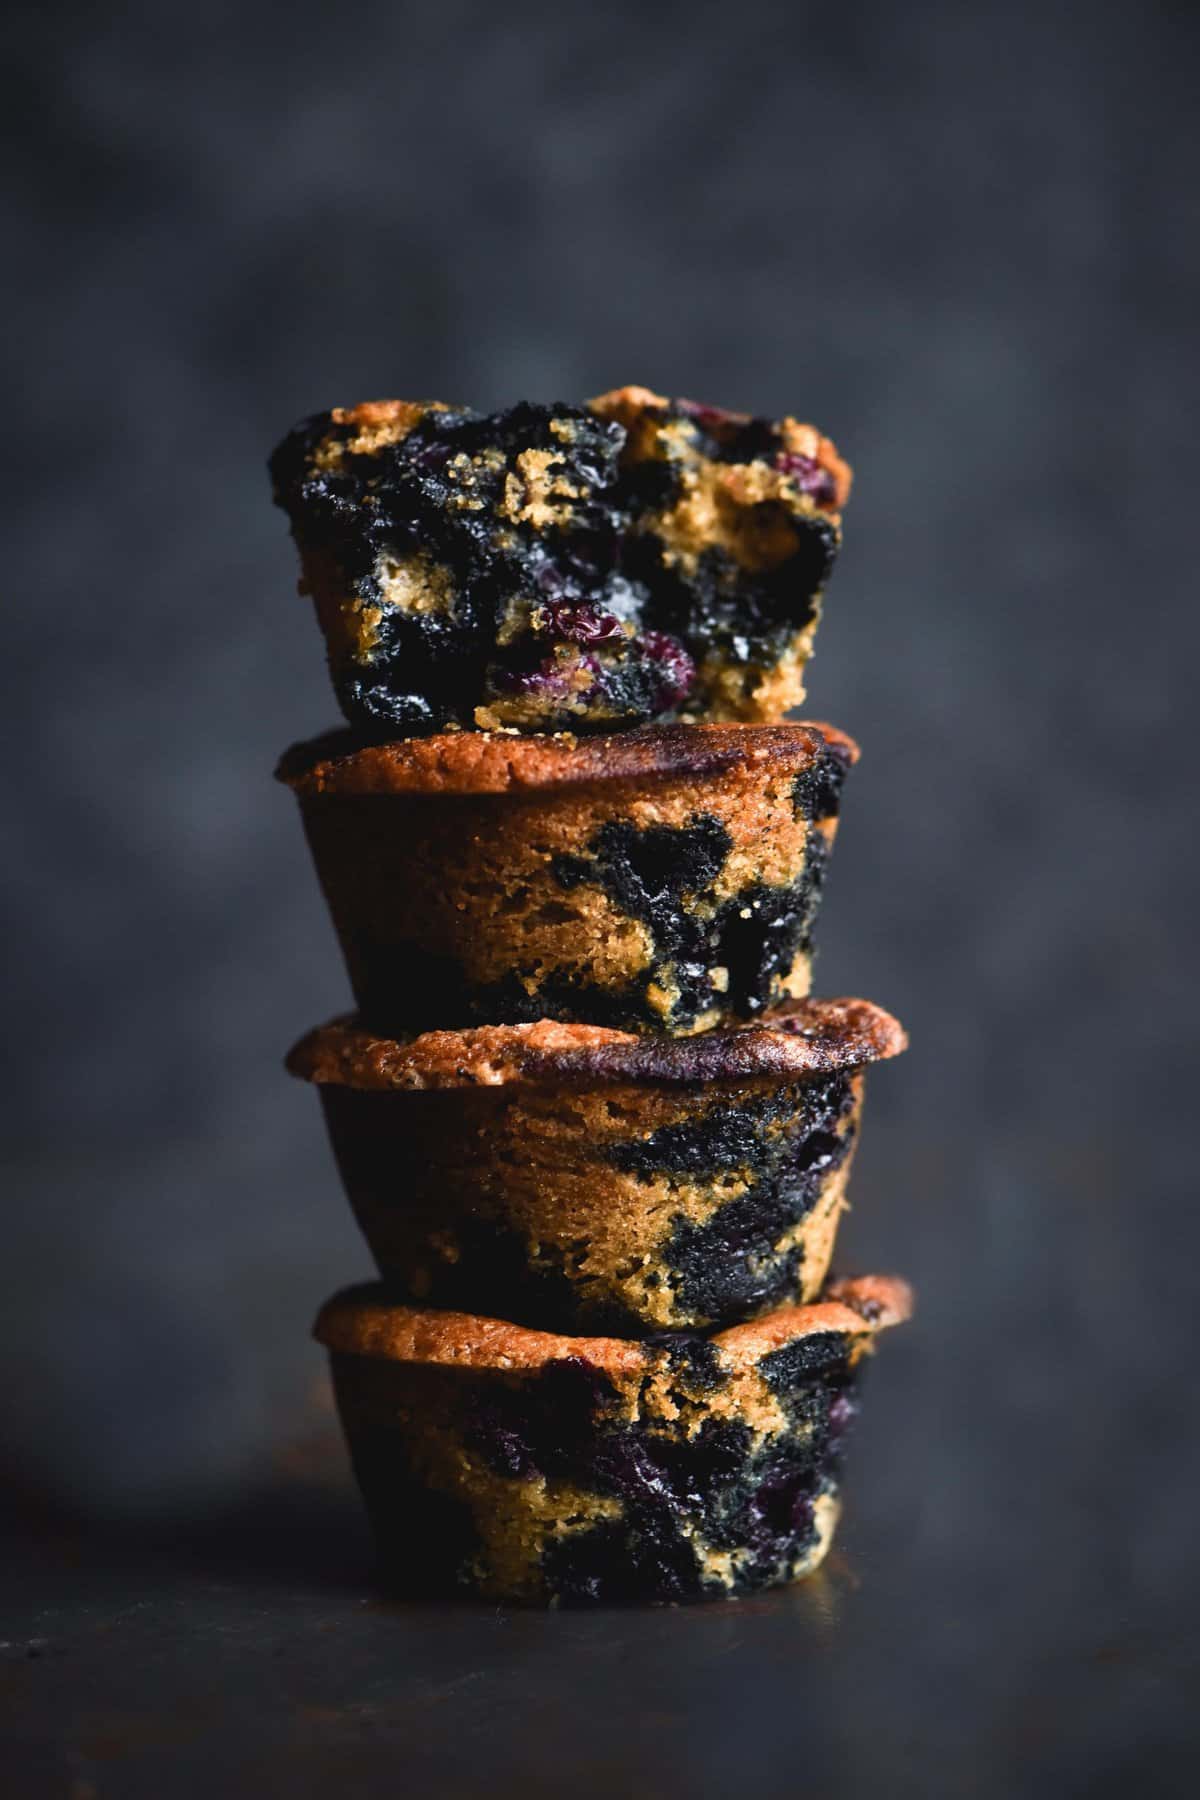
<point x="582" y="1179"/>
<point x="550" y="1470"/>
<point x="562" y="567"/>
<point x="664" y="879"/>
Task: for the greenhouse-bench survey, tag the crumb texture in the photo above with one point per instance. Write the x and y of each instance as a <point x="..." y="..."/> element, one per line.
<point x="562" y="567"/>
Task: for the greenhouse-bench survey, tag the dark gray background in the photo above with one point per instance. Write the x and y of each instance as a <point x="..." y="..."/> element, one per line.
<point x="963" y="239"/>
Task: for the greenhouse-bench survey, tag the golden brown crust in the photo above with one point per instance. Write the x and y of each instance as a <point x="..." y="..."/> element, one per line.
<point x="500" y="762"/>
<point x="883" y="1299"/>
<point x="805" y="1037"/>
<point x="877" y="1301"/>
<point x="360" y="1322"/>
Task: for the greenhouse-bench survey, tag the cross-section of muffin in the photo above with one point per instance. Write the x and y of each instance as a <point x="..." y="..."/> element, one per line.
<point x="550" y="567"/>
<point x="534" y="1468"/>
<point x="579" y="1179"/>
<point x="665" y="879"/>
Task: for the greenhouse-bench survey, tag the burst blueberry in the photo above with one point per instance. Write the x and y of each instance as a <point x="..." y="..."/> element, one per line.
<point x="426" y="531"/>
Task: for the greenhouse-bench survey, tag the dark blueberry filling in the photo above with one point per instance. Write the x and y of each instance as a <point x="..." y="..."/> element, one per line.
<point x="630" y="677"/>
<point x="817" y="790"/>
<point x="711" y="419"/>
<point x="647" y="871"/>
<point x="401" y="714"/>
<point x="577" y="624"/>
<point x="672" y="667"/>
<point x="554" y="678"/>
<point x="622" y="1562"/>
<point x="663" y="1485"/>
<point x="543" y="1427"/>
<point x="810" y="477"/>
<point x="729" y="1265"/>
<point x="779" y="1511"/>
<point x="788" y="1368"/>
<point x="730" y="436"/>
<point x="720" y="606"/>
<point x="607" y="585"/>
<point x="403" y="989"/>
<point x="678" y="1493"/>
<point x="694" y="1360"/>
<point x="724" y="1136"/>
<point x="762" y="930"/>
<point x="712" y="1487"/>
<point x="811" y="886"/>
<point x="755" y="935"/>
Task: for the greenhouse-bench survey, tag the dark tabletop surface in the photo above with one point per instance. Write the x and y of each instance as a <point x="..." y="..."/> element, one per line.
<point x="251" y="1653"/>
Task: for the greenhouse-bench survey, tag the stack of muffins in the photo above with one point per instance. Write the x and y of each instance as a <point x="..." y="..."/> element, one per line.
<point x="593" y="1128"/>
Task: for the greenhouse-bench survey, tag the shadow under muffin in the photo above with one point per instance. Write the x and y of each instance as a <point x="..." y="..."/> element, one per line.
<point x="663" y="880"/>
<point x="548" y="1470"/>
<point x="583" y="1179"/>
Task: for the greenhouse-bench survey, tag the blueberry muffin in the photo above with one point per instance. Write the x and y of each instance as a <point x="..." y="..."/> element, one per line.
<point x="523" y="1466"/>
<point x="582" y="1179"/>
<point x="562" y="567"/>
<point x="665" y="879"/>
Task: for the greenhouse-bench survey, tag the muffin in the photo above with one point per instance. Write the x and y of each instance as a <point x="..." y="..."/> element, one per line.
<point x="562" y="567"/>
<point x="583" y="1179"/>
<point x="665" y="879"/>
<point x="524" y="1466"/>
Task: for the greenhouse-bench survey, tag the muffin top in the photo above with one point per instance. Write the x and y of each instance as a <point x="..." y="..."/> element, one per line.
<point x="806" y="1037"/>
<point x="360" y="1321"/>
<point x="460" y="762"/>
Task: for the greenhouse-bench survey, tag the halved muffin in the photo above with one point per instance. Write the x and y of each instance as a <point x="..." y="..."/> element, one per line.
<point x="534" y="1468"/>
<point x="666" y="879"/>
<point x="549" y="567"/>
<point x="579" y="1179"/>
